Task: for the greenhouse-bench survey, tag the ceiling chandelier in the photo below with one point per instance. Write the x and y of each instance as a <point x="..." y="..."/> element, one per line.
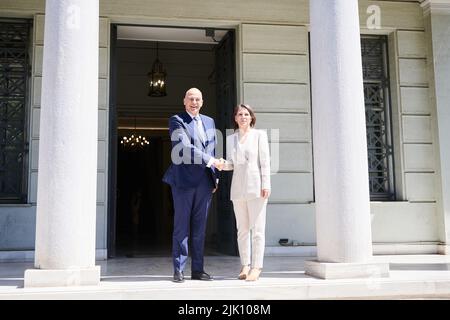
<point x="135" y="141"/>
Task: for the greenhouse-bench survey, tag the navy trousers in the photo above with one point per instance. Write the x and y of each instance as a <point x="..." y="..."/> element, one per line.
<point x="191" y="207"/>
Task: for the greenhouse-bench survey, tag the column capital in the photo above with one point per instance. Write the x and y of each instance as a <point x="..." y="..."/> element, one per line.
<point x="435" y="7"/>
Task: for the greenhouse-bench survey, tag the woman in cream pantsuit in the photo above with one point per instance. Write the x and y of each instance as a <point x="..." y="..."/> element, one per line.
<point x="248" y="157"/>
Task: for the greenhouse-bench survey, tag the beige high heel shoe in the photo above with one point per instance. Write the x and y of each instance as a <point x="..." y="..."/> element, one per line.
<point x="254" y="274"/>
<point x="244" y="273"/>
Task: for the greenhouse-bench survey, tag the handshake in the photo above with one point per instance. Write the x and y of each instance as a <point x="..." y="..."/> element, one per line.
<point x="219" y="164"/>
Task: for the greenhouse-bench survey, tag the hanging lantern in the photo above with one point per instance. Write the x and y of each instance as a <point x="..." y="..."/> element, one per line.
<point x="157" y="78"/>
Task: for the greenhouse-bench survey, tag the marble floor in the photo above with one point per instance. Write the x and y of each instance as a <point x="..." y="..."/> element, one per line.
<point x="411" y="276"/>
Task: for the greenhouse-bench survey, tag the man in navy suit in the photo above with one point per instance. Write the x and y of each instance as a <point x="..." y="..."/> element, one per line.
<point x="192" y="177"/>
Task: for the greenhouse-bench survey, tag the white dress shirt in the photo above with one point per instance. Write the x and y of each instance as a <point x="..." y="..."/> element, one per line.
<point x="202" y="133"/>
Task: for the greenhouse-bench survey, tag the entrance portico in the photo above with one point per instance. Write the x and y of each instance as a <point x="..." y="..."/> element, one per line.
<point x="65" y="242"/>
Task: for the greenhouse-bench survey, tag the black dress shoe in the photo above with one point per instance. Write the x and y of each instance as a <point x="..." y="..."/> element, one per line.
<point x="178" y="276"/>
<point x="202" y="275"/>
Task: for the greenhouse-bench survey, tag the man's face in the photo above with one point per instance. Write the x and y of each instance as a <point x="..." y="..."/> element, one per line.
<point x="193" y="101"/>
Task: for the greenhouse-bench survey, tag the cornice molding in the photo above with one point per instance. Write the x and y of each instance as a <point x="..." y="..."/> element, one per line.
<point x="435" y="7"/>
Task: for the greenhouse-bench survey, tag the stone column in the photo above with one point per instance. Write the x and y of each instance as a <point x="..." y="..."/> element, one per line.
<point x="344" y="242"/>
<point x="66" y="197"/>
<point x="437" y="22"/>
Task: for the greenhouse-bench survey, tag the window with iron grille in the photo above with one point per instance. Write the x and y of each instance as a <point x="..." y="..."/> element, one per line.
<point x="14" y="75"/>
<point x="378" y="117"/>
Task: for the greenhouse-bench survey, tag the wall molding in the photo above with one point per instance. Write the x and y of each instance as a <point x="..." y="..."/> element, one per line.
<point x="435" y="7"/>
<point x="273" y="251"/>
<point x="378" y="249"/>
<point x="28" y="255"/>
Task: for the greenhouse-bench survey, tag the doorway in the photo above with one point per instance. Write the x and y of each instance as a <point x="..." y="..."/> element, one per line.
<point x="140" y="217"/>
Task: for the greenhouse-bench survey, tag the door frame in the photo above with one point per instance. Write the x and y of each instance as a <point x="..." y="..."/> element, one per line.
<point x="112" y="147"/>
<point x="113" y="121"/>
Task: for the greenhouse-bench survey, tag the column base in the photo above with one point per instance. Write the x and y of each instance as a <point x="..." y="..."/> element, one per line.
<point x="444" y="249"/>
<point x="335" y="270"/>
<point x="62" y="278"/>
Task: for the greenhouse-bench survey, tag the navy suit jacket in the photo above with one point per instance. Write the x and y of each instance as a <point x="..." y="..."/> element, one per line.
<point x="189" y="154"/>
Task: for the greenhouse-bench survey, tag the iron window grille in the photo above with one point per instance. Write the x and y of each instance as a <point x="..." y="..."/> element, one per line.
<point x="14" y="77"/>
<point x="378" y="117"/>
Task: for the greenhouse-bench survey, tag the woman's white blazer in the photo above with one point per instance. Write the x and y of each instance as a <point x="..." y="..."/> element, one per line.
<point x="250" y="163"/>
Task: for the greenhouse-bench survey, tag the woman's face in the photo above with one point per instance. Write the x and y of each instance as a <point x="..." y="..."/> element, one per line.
<point x="243" y="118"/>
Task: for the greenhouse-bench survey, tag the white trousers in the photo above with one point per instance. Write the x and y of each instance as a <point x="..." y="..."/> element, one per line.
<point x="251" y="218"/>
